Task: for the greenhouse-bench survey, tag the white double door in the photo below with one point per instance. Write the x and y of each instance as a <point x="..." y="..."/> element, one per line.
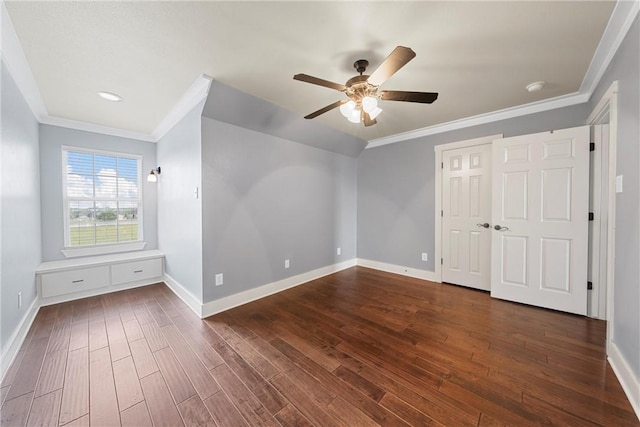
<point x="466" y="216"/>
<point x="533" y="191"/>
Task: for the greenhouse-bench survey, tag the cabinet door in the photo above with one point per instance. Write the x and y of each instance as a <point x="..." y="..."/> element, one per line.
<point x="70" y="281"/>
<point x="129" y="272"/>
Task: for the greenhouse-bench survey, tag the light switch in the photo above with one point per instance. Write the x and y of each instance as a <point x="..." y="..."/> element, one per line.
<point x="619" y="184"/>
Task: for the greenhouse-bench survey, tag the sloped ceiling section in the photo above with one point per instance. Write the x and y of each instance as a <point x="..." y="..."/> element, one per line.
<point x="230" y="105"/>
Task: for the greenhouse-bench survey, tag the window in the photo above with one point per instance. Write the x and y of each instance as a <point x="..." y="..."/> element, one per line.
<point x="102" y="198"/>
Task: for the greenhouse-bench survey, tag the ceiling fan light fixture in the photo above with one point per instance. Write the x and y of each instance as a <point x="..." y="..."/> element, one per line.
<point x="354" y="117"/>
<point x="347" y="108"/>
<point x="369" y="104"/>
<point x="361" y="105"/>
<point x="375" y="112"/>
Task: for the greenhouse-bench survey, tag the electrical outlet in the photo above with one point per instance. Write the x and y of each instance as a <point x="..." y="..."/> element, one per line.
<point x="19" y="299"/>
<point x="425" y="256"/>
<point x="286" y="263"/>
<point x="219" y="279"/>
<point x="338" y="251"/>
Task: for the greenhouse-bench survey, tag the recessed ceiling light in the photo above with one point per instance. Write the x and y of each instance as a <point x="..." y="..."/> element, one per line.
<point x="109" y="96"/>
<point x="535" y="86"/>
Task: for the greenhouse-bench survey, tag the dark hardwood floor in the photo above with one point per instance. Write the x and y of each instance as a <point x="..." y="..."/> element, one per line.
<point x="357" y="348"/>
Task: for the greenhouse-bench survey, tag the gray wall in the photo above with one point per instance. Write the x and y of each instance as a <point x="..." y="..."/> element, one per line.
<point x="52" y="138"/>
<point x="179" y="212"/>
<point x="396" y="187"/>
<point x="625" y="68"/>
<point x="268" y="199"/>
<point x="230" y="105"/>
<point x="21" y="252"/>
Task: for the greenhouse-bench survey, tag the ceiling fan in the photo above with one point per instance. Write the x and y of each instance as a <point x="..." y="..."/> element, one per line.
<point x="362" y="91"/>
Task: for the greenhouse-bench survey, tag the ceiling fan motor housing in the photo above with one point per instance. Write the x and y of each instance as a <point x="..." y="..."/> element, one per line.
<point x="361" y="65"/>
<point x="358" y="87"/>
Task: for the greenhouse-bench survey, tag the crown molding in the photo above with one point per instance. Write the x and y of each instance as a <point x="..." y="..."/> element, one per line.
<point x="92" y="127"/>
<point x="622" y="17"/>
<point x="18" y="67"/>
<point x="480" y="119"/>
<point x="197" y="92"/>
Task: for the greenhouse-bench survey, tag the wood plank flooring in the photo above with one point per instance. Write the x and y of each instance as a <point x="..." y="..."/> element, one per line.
<point x="357" y="348"/>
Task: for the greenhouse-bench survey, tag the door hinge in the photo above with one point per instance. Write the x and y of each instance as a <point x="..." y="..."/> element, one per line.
<point x="590" y="216"/>
<point x="589" y="286"/>
<point x="592" y="146"/>
<point x="441" y="212"/>
<point x="441" y="165"/>
<point x="441" y="261"/>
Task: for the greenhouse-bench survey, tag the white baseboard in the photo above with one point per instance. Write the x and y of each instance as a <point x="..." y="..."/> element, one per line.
<point x="191" y="300"/>
<point x="399" y="269"/>
<point x="629" y="382"/>
<point x="17" y="338"/>
<point x="212" y="307"/>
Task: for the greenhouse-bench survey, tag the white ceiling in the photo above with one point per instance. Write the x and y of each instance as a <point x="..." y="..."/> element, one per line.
<point x="478" y="55"/>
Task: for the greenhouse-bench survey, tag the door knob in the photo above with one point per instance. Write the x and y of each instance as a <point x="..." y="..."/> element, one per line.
<point x="500" y="228"/>
<point x="485" y="225"/>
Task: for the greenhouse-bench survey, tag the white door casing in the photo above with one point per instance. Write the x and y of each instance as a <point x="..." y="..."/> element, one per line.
<point x="598" y="228"/>
<point x="541" y="201"/>
<point x="466" y="207"/>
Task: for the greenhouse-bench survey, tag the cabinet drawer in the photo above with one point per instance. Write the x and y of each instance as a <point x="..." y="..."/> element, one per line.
<point x="138" y="270"/>
<point x="66" y="282"/>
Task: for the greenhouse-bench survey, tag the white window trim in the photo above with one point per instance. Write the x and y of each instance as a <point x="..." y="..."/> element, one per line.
<point x="103" y="249"/>
<point x="107" y="248"/>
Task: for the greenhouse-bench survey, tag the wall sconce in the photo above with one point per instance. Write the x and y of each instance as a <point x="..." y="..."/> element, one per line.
<point x="153" y="175"/>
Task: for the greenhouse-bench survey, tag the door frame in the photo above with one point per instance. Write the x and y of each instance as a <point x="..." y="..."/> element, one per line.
<point x="607" y="107"/>
<point x="439" y="149"/>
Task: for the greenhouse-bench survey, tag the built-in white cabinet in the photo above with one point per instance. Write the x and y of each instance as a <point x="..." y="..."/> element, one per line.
<point x="82" y="277"/>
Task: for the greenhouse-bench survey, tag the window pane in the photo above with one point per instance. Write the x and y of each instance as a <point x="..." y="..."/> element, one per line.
<point x="128" y="169"/>
<point x="127" y="189"/>
<point x="79" y="163"/>
<point x="81" y="223"/>
<point x="127" y="221"/>
<point x="105" y="163"/>
<point x="106" y="222"/>
<point x="106" y="186"/>
<point x="110" y="187"/>
<point x="80" y="186"/>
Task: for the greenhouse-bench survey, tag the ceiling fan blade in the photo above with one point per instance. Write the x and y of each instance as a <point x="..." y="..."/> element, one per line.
<point x="320" y="82"/>
<point x="399" y="95"/>
<point x="368" y="121"/>
<point x="325" y="109"/>
<point x="392" y="63"/>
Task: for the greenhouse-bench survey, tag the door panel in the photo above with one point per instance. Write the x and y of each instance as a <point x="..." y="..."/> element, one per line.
<point x="514" y="254"/>
<point x="466" y="202"/>
<point x="540" y="203"/>
<point x="514" y="198"/>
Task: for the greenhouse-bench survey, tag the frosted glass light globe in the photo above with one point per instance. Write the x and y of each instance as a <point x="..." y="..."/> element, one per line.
<point x="355" y="116"/>
<point x="347" y="108"/>
<point x="369" y="103"/>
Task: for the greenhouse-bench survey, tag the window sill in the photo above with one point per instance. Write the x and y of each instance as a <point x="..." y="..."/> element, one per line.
<point x="103" y="250"/>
